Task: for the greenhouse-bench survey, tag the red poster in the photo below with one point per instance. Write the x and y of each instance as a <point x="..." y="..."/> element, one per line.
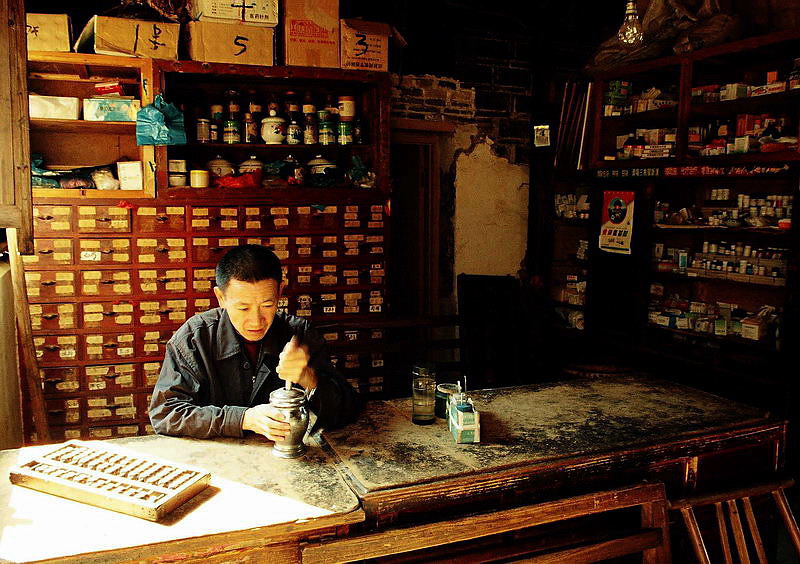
<point x="617" y="228"/>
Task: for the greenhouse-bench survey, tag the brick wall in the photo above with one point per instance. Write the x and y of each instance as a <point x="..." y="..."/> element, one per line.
<point x="491" y="86"/>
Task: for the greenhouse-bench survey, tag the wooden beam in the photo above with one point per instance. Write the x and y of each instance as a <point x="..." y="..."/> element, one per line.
<point x="28" y="362"/>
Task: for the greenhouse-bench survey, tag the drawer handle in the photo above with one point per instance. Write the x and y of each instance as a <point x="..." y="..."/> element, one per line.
<point x="46" y="252"/>
<point x="163" y="280"/>
<point x="49" y="315"/>
<point x="106" y="219"/>
<point x="49" y="283"/>
<point x="110" y="376"/>
<point x="106" y="282"/>
<point x="52" y="348"/>
<point x="110" y="345"/>
<point x="56" y="411"/>
<point x="162" y="250"/>
<point x="163" y="341"/>
<point x="55" y="380"/>
<point x="165" y="311"/>
<point x="215" y="218"/>
<point x="215" y="249"/>
<point x="109" y="313"/>
<point x="162" y="218"/>
<point x="45" y="217"/>
<point x="108" y="252"/>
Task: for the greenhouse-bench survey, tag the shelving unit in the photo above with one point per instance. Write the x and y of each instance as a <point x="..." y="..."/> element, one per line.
<point x="724" y="363"/>
<point x="115" y="273"/>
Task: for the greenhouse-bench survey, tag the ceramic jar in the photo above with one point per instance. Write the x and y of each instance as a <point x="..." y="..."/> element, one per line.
<point x="251" y="165"/>
<point x="273" y="130"/>
<point x="219" y="166"/>
<point x="318" y="165"/>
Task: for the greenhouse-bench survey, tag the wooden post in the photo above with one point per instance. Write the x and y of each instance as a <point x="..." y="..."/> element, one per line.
<point x="28" y="363"/>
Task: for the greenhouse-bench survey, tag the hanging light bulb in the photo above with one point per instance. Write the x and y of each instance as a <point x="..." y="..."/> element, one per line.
<point x="631" y="33"/>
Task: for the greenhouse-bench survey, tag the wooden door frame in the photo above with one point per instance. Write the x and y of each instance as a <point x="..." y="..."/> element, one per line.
<point x="427" y="134"/>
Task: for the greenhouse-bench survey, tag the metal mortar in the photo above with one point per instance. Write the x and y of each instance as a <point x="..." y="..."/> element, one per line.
<point x="292" y="404"/>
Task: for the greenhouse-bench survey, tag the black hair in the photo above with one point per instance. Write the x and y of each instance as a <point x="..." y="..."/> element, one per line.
<point x="248" y="263"/>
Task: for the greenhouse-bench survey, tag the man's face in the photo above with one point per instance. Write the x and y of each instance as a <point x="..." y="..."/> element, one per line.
<point x="251" y="306"/>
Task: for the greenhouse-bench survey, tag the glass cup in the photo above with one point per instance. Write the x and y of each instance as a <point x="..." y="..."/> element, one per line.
<point x="423" y="399"/>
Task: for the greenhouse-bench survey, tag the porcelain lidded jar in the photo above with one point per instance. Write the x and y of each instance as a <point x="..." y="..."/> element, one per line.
<point x="273" y="130"/>
<point x="318" y="165"/>
<point x="251" y="165"/>
<point x="219" y="166"/>
<point x="293" y="406"/>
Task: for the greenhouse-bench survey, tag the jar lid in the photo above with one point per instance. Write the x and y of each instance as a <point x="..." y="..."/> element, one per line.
<point x="287" y="398"/>
<point x="273" y="119"/>
<point x="319" y="160"/>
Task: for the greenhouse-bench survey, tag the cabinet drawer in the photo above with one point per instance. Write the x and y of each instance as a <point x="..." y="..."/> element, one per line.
<point x="211" y="249"/>
<point x="113" y="431"/>
<point x="162" y="281"/>
<point x="104" y="251"/>
<point x="111" y="377"/>
<point x="375" y="245"/>
<point x="159" y="219"/>
<point x="49" y="252"/>
<point x="108" y="347"/>
<point x="377" y="273"/>
<point x="316" y="217"/>
<point x="161" y="250"/>
<point x="316" y="246"/>
<point x="150" y="372"/>
<point x="111" y="407"/>
<point x="50" y="284"/>
<point x="106" y="283"/>
<point x="163" y="312"/>
<point x="199" y="305"/>
<point x="203" y="279"/>
<point x="60" y="434"/>
<point x="45" y="317"/>
<point x="103" y="219"/>
<point x="56" y="348"/>
<point x="267" y="218"/>
<point x="60" y="380"/>
<point x="214" y="219"/>
<point x="52" y="220"/>
<point x="152" y="343"/>
<point x="113" y="316"/>
<point x="315" y="274"/>
<point x="63" y="411"/>
<point x="280" y="246"/>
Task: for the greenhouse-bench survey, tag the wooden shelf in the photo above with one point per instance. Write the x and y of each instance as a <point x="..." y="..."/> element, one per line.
<point x="728" y="277"/>
<point x="661" y="114"/>
<point x="89" y="194"/>
<point x="748" y="158"/>
<point x="294" y="194"/>
<point x="275" y="147"/>
<point x="83" y="126"/>
<point x="733" y="340"/>
<point x="745" y="105"/>
<point x="753" y="230"/>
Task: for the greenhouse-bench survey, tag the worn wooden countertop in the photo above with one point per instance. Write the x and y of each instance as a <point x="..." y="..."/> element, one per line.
<point x="529" y="425"/>
<point x="253" y="495"/>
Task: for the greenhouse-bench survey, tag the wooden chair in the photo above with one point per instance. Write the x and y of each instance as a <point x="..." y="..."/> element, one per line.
<point x="651" y="539"/>
<point x="733" y="499"/>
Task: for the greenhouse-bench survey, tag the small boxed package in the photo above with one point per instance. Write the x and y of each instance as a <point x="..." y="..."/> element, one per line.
<point x="753" y="328"/>
<point x="110" y="109"/>
<point x="54" y="107"/>
<point x="253" y="12"/>
<point x="129" y="174"/>
<point x="464" y="421"/>
<point x="48" y="32"/>
<point x="230" y="43"/>
<point x="137" y="38"/>
<point x="773" y="88"/>
<point x="311" y="33"/>
<point x="365" y="45"/>
<point x="733" y="91"/>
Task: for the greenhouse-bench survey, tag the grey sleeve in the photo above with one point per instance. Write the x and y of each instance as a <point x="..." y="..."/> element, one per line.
<point x="174" y="408"/>
<point x="334" y="400"/>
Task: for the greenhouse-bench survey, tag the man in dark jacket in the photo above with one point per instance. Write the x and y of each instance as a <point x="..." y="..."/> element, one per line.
<point x="221" y="365"/>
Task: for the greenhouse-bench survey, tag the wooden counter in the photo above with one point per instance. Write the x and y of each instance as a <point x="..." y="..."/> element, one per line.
<point x="554" y="440"/>
<point x="257" y="506"/>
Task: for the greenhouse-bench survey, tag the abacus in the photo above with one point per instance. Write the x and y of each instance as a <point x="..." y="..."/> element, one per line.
<point x="112" y="478"/>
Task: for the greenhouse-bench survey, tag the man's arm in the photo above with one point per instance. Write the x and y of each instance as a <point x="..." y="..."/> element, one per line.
<point x="174" y="409"/>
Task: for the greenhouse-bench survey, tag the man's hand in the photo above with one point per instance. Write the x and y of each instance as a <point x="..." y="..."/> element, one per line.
<point x="293" y="365"/>
<point x="266" y="420"/>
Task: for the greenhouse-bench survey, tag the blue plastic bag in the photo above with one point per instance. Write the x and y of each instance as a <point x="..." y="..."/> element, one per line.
<point x="160" y="123"/>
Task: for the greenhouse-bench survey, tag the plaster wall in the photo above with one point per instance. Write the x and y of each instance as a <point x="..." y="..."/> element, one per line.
<point x="11" y="429"/>
<point x="491" y="215"/>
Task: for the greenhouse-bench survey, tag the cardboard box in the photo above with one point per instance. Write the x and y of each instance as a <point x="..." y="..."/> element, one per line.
<point x="230" y="43"/>
<point x="110" y="109"/>
<point x="135" y="38"/>
<point x="48" y="32"/>
<point x="365" y="45"/>
<point x="253" y="12"/>
<point x="311" y="33"/>
<point x="129" y="174"/>
<point x="54" y="107"/>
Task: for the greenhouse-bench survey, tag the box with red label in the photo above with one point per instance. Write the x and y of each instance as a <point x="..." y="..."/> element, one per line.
<point x="311" y="33"/>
